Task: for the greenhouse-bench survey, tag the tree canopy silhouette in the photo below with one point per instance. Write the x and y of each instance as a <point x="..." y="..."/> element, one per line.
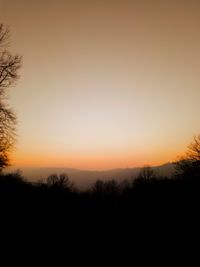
<point x="9" y="66"/>
<point x="60" y="181"/>
<point x="189" y="165"/>
<point x="146" y="173"/>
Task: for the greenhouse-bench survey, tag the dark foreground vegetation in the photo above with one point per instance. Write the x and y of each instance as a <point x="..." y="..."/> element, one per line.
<point x="59" y="197"/>
<point x="145" y="213"/>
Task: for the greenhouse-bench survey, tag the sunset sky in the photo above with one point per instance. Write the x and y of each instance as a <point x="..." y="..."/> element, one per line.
<point x="104" y="84"/>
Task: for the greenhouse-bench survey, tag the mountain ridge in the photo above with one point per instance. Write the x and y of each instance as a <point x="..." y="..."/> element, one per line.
<point x="84" y="178"/>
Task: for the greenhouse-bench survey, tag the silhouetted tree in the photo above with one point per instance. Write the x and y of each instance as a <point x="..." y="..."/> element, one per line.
<point x="98" y="187"/>
<point x="60" y="181"/>
<point x="189" y="165"/>
<point x="111" y="188"/>
<point x="106" y="188"/>
<point x="146" y="173"/>
<point x="9" y="66"/>
<point x="194" y="150"/>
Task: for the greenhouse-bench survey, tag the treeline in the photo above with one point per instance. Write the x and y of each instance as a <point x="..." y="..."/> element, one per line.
<point x="145" y="207"/>
<point x="147" y="189"/>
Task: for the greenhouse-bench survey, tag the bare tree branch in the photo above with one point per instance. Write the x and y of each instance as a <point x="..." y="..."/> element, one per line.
<point x="189" y="165"/>
<point x="9" y="66"/>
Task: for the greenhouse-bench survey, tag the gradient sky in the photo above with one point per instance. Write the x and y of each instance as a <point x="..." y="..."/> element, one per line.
<point x="104" y="84"/>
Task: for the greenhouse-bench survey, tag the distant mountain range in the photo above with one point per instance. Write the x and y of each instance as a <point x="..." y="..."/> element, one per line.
<point x="85" y="178"/>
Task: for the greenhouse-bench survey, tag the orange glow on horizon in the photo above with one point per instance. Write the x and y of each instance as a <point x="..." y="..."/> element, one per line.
<point x="92" y="162"/>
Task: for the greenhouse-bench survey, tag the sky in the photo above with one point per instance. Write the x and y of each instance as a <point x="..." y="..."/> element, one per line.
<point x="104" y="84"/>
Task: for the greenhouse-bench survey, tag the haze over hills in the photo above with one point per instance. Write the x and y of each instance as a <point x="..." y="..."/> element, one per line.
<point x="84" y="178"/>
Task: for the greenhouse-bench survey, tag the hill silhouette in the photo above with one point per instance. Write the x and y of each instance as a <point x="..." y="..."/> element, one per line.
<point x="85" y="178"/>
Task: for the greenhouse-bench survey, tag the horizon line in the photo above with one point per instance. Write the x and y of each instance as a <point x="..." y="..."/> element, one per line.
<point x="79" y="169"/>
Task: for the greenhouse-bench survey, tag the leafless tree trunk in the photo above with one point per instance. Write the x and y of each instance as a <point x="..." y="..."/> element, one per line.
<point x="9" y="66"/>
